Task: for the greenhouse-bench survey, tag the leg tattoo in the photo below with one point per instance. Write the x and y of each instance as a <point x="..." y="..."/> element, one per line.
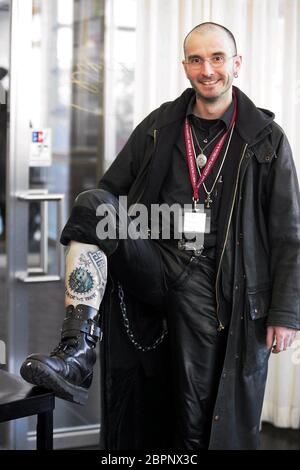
<point x="86" y="275"/>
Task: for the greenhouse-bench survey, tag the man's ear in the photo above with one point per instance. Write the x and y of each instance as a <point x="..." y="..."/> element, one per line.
<point x="237" y="63"/>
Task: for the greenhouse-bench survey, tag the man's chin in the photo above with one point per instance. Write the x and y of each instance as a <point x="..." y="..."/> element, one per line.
<point x="209" y="97"/>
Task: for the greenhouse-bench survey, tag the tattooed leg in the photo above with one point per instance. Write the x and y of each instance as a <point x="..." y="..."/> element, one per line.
<point x="68" y="370"/>
<point x="86" y="275"/>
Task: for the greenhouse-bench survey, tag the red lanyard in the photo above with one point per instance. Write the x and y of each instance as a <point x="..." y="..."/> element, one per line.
<point x="212" y="158"/>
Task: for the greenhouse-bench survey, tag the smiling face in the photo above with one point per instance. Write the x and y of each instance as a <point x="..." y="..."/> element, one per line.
<point x="211" y="83"/>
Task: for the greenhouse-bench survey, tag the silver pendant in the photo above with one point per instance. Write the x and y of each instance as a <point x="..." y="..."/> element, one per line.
<point x="201" y="160"/>
<point x="208" y="201"/>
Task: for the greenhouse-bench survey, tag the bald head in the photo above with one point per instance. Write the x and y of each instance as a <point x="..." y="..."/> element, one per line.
<point x="209" y="27"/>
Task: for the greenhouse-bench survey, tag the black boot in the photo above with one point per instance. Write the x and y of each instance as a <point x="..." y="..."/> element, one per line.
<point x="68" y="371"/>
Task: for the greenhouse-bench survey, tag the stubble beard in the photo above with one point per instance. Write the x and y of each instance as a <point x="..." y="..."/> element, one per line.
<point x="207" y="99"/>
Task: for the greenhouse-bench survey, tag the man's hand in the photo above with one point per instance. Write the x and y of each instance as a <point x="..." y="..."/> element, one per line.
<point x="283" y="337"/>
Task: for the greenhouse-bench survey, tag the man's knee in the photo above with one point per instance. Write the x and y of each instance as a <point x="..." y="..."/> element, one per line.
<point x="94" y="197"/>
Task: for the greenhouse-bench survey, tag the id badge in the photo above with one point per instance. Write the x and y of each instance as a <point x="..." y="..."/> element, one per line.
<point x="193" y="225"/>
<point x="194" y="222"/>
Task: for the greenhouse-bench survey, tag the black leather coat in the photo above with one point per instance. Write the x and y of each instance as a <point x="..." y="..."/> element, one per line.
<point x="257" y="267"/>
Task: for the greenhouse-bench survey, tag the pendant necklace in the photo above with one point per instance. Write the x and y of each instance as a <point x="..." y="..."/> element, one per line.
<point x="208" y="199"/>
<point x="194" y="168"/>
<point x="201" y="159"/>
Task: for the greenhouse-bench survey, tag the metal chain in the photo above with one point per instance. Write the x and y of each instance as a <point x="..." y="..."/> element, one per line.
<point x="129" y="331"/>
<point x="195" y="135"/>
<point x="208" y="193"/>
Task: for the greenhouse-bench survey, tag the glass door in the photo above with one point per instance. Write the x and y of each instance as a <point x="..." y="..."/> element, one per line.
<point x="53" y="113"/>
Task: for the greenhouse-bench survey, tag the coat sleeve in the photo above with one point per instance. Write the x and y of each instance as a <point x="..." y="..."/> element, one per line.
<point x="120" y="176"/>
<point x="284" y="239"/>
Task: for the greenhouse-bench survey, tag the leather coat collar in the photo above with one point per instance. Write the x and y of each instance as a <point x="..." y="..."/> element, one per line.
<point x="253" y="123"/>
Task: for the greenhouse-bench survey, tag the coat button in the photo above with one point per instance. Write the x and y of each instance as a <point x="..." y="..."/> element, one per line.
<point x="267" y="158"/>
<point x="248" y="154"/>
<point x="216" y="417"/>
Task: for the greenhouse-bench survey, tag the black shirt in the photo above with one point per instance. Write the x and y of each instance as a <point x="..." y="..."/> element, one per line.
<point x="177" y="186"/>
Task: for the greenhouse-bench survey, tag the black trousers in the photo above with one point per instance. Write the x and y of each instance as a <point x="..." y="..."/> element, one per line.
<point x="181" y="284"/>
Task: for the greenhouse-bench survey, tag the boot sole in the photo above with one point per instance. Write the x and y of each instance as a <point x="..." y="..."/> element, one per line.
<point x="38" y="373"/>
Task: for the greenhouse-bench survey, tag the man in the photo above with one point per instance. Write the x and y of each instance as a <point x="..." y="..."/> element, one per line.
<point x="187" y="325"/>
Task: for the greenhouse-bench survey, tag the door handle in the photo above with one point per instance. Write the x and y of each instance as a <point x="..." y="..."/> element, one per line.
<point x="40" y="274"/>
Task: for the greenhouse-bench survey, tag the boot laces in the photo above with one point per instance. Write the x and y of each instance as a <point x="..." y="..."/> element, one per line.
<point x="65" y="346"/>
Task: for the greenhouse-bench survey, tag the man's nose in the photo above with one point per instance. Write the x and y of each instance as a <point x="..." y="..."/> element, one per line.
<point x="207" y="68"/>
